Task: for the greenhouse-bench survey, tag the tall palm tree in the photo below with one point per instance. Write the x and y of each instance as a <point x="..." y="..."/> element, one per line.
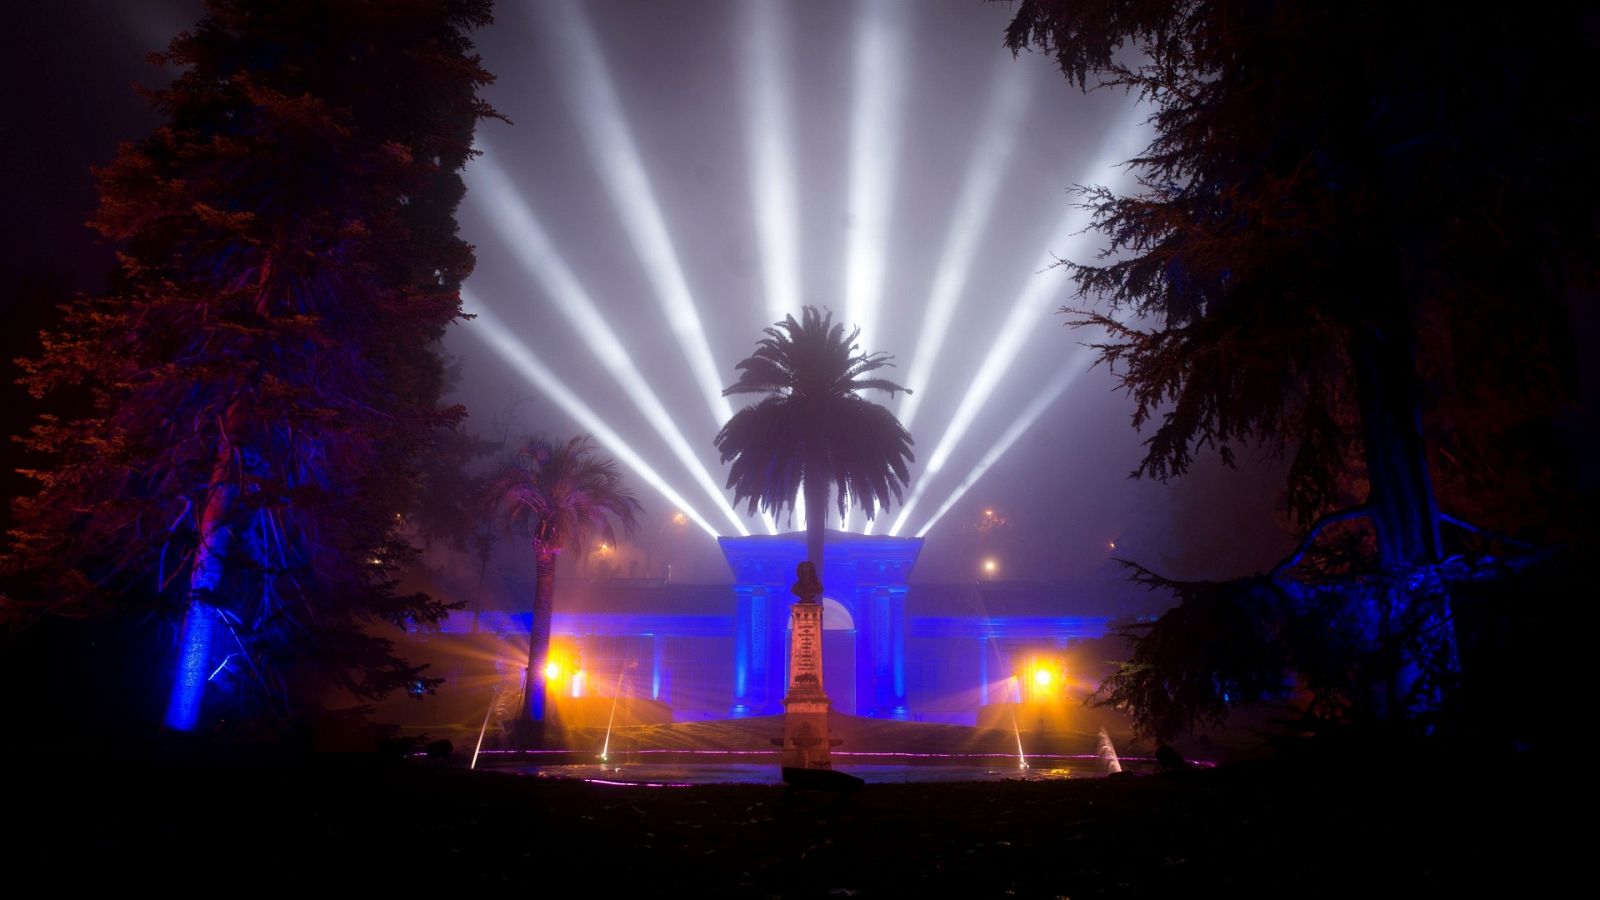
<point x="813" y="427"/>
<point x="563" y="496"/>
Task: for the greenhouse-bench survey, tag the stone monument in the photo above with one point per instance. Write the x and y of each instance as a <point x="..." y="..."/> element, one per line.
<point x="806" y="744"/>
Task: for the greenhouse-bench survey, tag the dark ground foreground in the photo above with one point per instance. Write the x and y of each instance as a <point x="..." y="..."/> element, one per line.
<point x="1411" y="826"/>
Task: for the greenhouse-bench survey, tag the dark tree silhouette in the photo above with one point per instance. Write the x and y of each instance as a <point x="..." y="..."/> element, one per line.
<point x="1341" y="205"/>
<point x="265" y="372"/>
<point x="813" y="427"/>
<point x="562" y="496"/>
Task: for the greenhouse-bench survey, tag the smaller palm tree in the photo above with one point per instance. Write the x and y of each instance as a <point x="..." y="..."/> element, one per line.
<point x="563" y="496"/>
<point x="813" y="427"/>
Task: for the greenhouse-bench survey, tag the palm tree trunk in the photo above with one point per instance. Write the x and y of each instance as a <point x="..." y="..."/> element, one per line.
<point x="544" y="598"/>
<point x="816" y="491"/>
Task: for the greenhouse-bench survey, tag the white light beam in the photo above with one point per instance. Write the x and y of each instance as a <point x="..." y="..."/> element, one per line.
<point x="495" y="193"/>
<point x="769" y="137"/>
<point x="1055" y="388"/>
<point x="598" y="109"/>
<point x="874" y="145"/>
<point x="991" y="157"/>
<point x="492" y="331"/>
<point x="1031" y="304"/>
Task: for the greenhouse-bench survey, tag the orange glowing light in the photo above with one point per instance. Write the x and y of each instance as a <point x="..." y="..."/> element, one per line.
<point x="1042" y="677"/>
<point x="990" y="566"/>
<point x="552" y="671"/>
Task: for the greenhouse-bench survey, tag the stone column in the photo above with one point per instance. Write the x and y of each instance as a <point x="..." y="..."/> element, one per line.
<point x="745" y="684"/>
<point x="897" y="652"/>
<point x="656" y="653"/>
<point x="776" y="644"/>
<point x="883" y="701"/>
<point x="983" y="671"/>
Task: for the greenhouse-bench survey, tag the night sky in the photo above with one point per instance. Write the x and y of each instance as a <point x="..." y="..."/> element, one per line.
<point x="681" y="78"/>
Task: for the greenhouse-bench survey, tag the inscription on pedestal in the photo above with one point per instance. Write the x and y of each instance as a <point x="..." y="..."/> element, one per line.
<point x="805" y="720"/>
<point x="805" y="649"/>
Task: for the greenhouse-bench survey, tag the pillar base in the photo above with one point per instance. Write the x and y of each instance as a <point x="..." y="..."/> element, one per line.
<point x="806" y="744"/>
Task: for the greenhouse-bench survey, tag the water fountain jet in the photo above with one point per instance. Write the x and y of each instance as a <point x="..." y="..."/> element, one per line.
<point x="1022" y="760"/>
<point x="616" y="692"/>
<point x="1108" y="754"/>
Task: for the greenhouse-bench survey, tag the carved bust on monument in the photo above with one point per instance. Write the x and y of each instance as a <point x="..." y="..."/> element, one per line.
<point x="807" y="586"/>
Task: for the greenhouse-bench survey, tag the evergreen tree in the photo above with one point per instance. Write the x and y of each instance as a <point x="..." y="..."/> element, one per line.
<point x="1356" y="222"/>
<point x="265" y="372"/>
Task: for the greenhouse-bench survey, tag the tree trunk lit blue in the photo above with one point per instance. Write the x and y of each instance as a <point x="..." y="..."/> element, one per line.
<point x="193" y="666"/>
<point x="200" y="618"/>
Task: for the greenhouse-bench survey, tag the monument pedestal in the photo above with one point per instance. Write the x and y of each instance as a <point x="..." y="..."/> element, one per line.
<point x="806" y="744"/>
<point x="805" y="735"/>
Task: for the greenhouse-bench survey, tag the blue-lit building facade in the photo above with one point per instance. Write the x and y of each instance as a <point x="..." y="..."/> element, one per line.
<point x="892" y="648"/>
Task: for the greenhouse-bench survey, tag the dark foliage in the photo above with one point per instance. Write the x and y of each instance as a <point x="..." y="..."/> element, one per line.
<point x="1319" y="173"/>
<point x="1358" y="233"/>
<point x="265" y="372"/>
<point x="1221" y="647"/>
<point x="1346" y="651"/>
<point x="452" y="481"/>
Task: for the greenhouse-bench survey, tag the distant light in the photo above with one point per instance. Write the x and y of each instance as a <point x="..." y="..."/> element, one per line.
<point x="604" y="546"/>
<point x="552" y="671"/>
<point x="989" y="513"/>
<point x="1112" y="545"/>
<point x="990" y="566"/>
<point x="1041" y="677"/>
<point x="678" y="518"/>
